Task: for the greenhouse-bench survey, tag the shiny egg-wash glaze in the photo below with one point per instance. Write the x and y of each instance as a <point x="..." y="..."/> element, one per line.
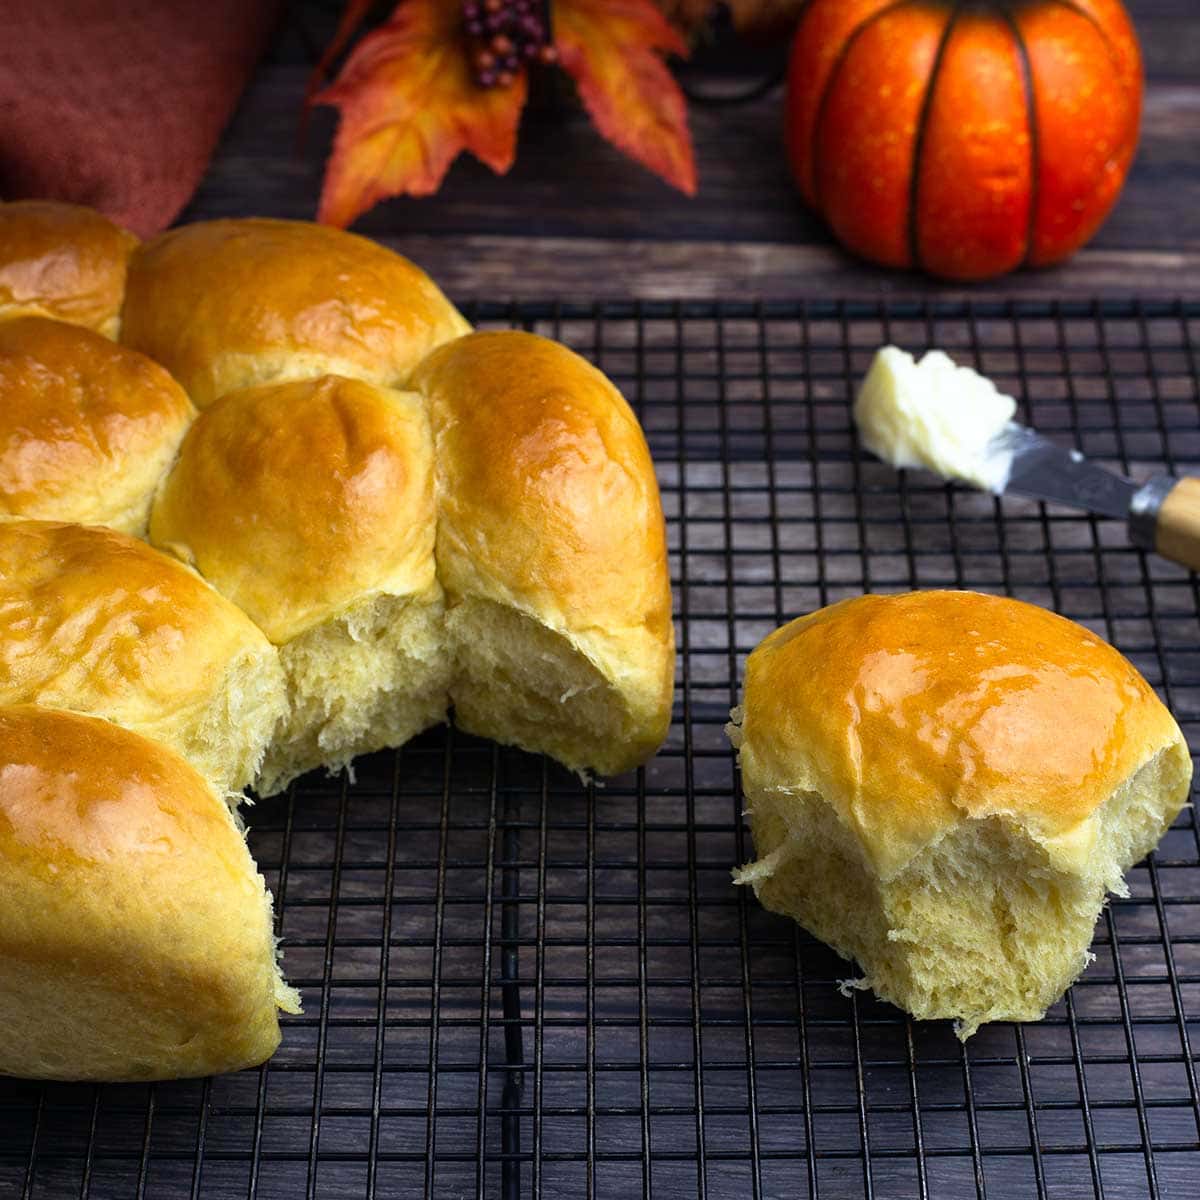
<point x="89" y="426"/>
<point x="62" y="261"/>
<point x="236" y="303"/>
<point x="964" y="705"/>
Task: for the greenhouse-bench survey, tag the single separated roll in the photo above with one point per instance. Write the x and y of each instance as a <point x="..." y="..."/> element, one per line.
<point x="88" y="428"/>
<point x="62" y="261"/>
<point x="551" y="548"/>
<point x="98" y="622"/>
<point x="944" y="785"/>
<point x="310" y="505"/>
<point x="237" y="303"/>
<point x="136" y="941"/>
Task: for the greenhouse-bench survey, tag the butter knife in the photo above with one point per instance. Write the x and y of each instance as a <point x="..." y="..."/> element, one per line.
<point x="1163" y="514"/>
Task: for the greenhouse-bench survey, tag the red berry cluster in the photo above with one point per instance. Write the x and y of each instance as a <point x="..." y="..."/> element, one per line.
<point x="504" y="36"/>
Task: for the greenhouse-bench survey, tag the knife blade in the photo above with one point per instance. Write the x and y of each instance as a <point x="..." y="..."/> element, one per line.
<point x="1043" y="470"/>
<point x="1163" y="514"/>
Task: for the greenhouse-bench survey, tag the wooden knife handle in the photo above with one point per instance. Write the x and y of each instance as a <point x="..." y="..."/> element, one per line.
<point x="1166" y="518"/>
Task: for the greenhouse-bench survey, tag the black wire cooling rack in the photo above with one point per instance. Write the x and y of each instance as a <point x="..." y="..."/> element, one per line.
<point x="517" y="985"/>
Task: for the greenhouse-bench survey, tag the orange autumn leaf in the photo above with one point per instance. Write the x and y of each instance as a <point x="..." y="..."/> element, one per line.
<point x="409" y="101"/>
<point x="612" y="49"/>
<point x="409" y="106"/>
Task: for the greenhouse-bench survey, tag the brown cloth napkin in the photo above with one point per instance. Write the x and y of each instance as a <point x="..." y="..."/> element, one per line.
<point x="119" y="103"/>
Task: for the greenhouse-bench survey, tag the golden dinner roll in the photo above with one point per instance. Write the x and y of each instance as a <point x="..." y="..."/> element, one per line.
<point x="62" y="261"/>
<point x="237" y="303"/>
<point x="137" y="938"/>
<point x="551" y="549"/>
<point x="98" y="622"/>
<point x="87" y="427"/>
<point x="310" y="506"/>
<point x="944" y="785"/>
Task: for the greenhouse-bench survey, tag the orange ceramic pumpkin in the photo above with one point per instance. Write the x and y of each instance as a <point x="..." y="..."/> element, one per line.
<point x="965" y="137"/>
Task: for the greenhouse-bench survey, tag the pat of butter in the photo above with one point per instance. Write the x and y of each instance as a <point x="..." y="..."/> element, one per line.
<point x="936" y="415"/>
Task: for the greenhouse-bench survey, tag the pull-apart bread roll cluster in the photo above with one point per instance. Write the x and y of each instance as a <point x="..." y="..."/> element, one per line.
<point x="945" y="785"/>
<point x="356" y="515"/>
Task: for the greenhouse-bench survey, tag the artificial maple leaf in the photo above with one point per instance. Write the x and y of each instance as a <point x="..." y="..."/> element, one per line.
<point x="409" y="106"/>
<point x="612" y="49"/>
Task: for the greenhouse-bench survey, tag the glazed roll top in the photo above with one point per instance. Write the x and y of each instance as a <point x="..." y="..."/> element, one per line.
<point x="295" y="500"/>
<point x="62" y="261"/>
<point x="551" y="548"/>
<point x="87" y="427"/>
<point x="136" y="941"/>
<point x="911" y="714"/>
<point x="238" y="303"/>
<point x="98" y="622"/>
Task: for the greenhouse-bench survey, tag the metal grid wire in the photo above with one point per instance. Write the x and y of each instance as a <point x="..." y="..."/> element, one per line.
<point x="518" y="985"/>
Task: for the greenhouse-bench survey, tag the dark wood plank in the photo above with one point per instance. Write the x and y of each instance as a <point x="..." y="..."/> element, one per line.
<point x="579" y="269"/>
<point x="575" y="218"/>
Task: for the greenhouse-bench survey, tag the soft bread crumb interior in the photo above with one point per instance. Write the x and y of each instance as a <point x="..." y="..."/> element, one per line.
<point x="521" y="683"/>
<point x="981" y="925"/>
<point x="375" y="676"/>
<point x="239" y="726"/>
<point x="227" y="739"/>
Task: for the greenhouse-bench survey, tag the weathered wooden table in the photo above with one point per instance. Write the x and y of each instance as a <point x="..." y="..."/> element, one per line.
<point x="576" y="220"/>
